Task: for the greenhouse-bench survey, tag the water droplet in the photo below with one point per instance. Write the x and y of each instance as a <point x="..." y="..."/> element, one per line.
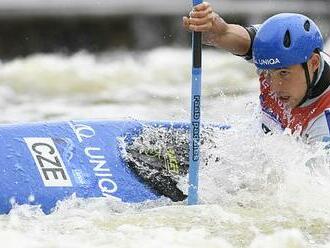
<point x="31" y="198"/>
<point x="12" y="200"/>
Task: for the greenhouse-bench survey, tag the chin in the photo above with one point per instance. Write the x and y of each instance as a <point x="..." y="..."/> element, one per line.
<point x="293" y="104"/>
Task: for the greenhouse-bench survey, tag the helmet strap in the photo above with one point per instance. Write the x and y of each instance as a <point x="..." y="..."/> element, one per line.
<point x="308" y="82"/>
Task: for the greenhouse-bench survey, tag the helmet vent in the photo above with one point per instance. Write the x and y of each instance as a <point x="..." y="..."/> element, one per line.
<point x="307" y="26"/>
<point x="287" y="39"/>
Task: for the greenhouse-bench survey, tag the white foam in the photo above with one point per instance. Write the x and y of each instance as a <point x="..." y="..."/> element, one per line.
<point x="255" y="189"/>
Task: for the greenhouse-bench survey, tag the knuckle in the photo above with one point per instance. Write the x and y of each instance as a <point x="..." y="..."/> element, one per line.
<point x="194" y="28"/>
<point x="200" y="15"/>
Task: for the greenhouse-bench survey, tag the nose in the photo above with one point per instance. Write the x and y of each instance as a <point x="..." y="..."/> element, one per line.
<point x="276" y="85"/>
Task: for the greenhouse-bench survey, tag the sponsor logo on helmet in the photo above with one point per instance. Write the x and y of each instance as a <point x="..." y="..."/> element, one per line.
<point x="271" y="61"/>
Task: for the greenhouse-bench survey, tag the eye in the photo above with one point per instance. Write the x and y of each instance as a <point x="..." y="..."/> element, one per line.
<point x="284" y="73"/>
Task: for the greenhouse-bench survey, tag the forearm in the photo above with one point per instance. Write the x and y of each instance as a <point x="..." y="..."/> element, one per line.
<point x="234" y="39"/>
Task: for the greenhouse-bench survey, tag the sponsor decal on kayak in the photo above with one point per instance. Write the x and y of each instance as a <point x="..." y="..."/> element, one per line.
<point x="49" y="162"/>
<point x="96" y="158"/>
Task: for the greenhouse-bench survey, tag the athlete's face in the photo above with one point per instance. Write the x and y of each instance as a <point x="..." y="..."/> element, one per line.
<point x="289" y="84"/>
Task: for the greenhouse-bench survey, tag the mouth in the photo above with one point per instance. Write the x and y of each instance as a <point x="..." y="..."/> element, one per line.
<point x="284" y="99"/>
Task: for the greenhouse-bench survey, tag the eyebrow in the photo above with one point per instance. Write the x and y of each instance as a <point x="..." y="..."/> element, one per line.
<point x="284" y="68"/>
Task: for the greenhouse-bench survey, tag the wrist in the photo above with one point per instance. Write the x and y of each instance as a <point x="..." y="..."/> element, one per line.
<point x="220" y="27"/>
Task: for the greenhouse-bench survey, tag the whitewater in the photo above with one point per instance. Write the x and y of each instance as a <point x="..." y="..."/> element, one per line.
<point x="256" y="190"/>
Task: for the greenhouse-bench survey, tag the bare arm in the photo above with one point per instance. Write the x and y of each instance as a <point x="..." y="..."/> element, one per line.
<point x="216" y="32"/>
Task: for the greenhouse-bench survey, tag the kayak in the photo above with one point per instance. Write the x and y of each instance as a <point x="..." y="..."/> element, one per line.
<point x="42" y="163"/>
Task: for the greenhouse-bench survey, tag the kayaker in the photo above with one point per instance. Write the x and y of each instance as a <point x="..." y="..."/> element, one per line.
<point x="294" y="72"/>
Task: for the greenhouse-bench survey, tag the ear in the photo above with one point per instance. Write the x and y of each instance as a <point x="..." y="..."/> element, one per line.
<point x="314" y="62"/>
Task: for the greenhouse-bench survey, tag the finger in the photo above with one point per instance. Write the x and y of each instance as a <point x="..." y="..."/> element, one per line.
<point x="191" y="13"/>
<point x="201" y="28"/>
<point x="200" y="14"/>
<point x="201" y="6"/>
<point x="185" y="23"/>
<point x="200" y="21"/>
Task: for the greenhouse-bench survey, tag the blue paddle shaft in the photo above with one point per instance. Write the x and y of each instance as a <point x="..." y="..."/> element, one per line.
<point x="194" y="144"/>
<point x="196" y="2"/>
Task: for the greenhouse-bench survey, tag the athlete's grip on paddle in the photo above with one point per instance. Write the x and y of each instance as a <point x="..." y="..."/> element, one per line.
<point x="216" y="32"/>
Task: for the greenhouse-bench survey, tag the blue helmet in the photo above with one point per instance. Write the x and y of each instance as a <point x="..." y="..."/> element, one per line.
<point x="285" y="39"/>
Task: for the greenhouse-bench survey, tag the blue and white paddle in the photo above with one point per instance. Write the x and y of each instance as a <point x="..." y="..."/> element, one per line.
<point x="194" y="143"/>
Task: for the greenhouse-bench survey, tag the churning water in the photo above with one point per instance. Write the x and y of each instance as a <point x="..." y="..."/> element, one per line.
<point x="255" y="190"/>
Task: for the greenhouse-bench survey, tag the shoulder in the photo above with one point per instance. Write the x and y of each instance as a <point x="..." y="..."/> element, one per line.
<point x="326" y="57"/>
<point x="252" y="31"/>
<point x="318" y="129"/>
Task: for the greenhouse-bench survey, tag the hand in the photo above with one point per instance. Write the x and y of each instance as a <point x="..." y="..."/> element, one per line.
<point x="216" y="32"/>
<point x="202" y="18"/>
